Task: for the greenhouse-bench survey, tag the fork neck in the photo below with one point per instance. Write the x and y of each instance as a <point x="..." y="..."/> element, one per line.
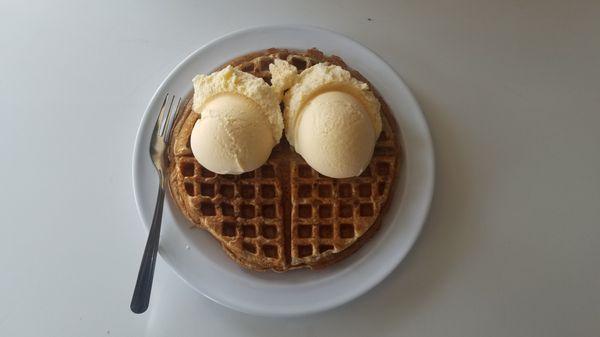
<point x="161" y="179"/>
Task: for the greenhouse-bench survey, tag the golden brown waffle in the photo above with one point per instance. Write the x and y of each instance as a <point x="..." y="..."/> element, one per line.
<point x="283" y="215"/>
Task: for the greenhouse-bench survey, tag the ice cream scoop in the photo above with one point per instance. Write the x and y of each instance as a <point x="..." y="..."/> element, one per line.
<point x="232" y="136"/>
<point x="334" y="135"/>
<point x="331" y="119"/>
<point x="240" y="121"/>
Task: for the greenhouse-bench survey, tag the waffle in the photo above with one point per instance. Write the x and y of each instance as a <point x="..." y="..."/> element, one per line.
<point x="284" y="215"/>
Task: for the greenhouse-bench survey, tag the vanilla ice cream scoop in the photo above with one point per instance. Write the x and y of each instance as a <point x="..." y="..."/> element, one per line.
<point x="334" y="135"/>
<point x="240" y="121"/>
<point x="331" y="119"/>
<point x="232" y="136"/>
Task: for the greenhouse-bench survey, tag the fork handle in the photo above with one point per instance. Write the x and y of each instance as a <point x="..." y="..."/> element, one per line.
<point x="143" y="285"/>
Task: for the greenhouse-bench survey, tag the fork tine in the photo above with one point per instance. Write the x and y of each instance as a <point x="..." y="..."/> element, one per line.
<point x="171" y="120"/>
<point x="166" y="121"/>
<point x="158" y="123"/>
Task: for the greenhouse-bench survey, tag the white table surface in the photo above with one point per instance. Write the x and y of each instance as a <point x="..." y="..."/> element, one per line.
<point x="511" y="92"/>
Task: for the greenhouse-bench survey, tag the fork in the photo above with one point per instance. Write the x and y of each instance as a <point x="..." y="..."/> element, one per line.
<point x="158" y="144"/>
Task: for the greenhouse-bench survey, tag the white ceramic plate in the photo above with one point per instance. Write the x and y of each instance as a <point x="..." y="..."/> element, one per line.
<point x="200" y="261"/>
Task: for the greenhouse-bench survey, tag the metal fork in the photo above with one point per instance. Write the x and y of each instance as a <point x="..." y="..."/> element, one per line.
<point x="158" y="146"/>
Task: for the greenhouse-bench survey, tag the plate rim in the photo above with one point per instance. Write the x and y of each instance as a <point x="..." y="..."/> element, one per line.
<point x="429" y="159"/>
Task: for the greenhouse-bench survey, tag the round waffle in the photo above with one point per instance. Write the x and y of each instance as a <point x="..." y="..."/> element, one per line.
<point x="284" y="215"/>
